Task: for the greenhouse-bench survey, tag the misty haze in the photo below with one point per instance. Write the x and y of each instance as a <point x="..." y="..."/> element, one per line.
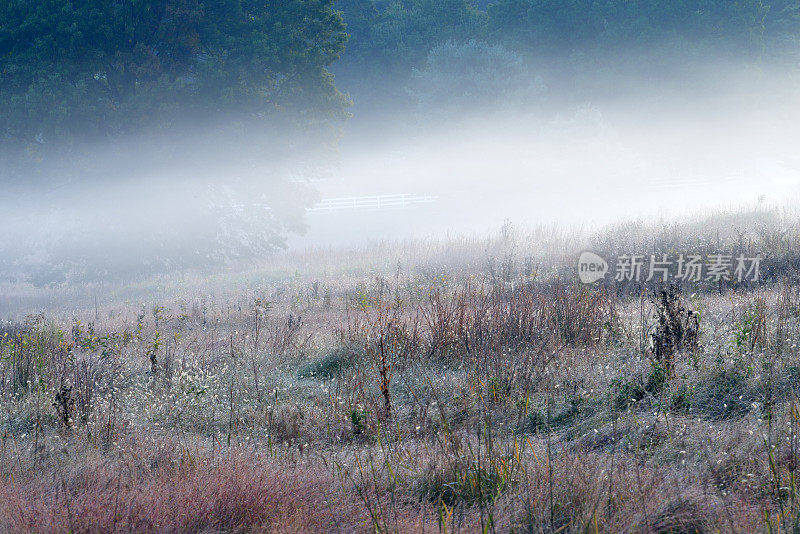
<point x="400" y="266"/>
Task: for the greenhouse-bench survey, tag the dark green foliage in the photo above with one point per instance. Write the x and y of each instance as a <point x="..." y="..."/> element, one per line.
<point x="168" y="99"/>
<point x="682" y="399"/>
<point x="568" y="25"/>
<point x="398" y="35"/>
<point x="723" y="394"/>
<point x="656" y="380"/>
<point x="568" y="417"/>
<point x="329" y="366"/>
<point x="89" y="70"/>
<point x="392" y="35"/>
<point x="92" y="69"/>
<point x="358" y="421"/>
<point x="469" y="485"/>
<point x="587" y="38"/>
<point x="625" y="393"/>
<point x="454" y="75"/>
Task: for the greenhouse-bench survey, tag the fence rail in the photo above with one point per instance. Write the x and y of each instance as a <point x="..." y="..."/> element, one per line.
<point x="374" y="202"/>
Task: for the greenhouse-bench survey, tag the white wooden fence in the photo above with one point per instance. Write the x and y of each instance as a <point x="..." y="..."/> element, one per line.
<point x="374" y="202"/>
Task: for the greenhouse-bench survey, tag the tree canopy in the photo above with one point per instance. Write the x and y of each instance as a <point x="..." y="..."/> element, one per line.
<point x="75" y="70"/>
<point x="157" y="132"/>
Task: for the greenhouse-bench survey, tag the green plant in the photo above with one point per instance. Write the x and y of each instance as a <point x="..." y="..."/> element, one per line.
<point x="723" y="394"/>
<point x="151" y="351"/>
<point x="577" y="409"/>
<point x="498" y="389"/>
<point x="471" y="477"/>
<point x="330" y="365"/>
<point x="750" y="330"/>
<point x="682" y="399"/>
<point x="625" y="393"/>
<point x="358" y="420"/>
<point x="657" y="379"/>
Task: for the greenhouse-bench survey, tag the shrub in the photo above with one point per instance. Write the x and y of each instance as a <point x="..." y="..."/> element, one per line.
<point x="461" y="482"/>
<point x="723" y="394"/>
<point x="330" y="365"/>
<point x="358" y="420"/>
<point x="568" y="417"/>
<point x="657" y="379"/>
<point x="751" y="329"/>
<point x="625" y="393"/>
<point x="682" y="399"/>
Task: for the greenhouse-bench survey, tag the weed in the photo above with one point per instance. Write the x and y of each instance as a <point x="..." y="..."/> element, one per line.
<point x="750" y="330"/>
<point x="569" y="416"/>
<point x="682" y="399"/>
<point x="151" y="351"/>
<point x="358" y="420"/>
<point x="330" y="365"/>
<point x="538" y="366"/>
<point x="723" y="394"/>
<point x="65" y="406"/>
<point x="625" y="393"/>
<point x="657" y="379"/>
<point x="677" y="328"/>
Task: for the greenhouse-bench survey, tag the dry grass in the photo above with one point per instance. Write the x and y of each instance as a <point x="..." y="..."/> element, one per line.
<point x="476" y="395"/>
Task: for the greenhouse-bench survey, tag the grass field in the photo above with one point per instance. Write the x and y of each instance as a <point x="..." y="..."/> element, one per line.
<point x="452" y="385"/>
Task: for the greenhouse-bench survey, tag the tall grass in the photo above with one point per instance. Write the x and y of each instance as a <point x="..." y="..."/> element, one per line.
<point x="445" y="394"/>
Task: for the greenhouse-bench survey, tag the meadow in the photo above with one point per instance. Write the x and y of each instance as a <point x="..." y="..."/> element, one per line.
<point x="467" y="384"/>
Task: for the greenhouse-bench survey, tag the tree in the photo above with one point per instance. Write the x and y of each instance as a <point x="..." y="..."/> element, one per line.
<point x="398" y="35"/>
<point x="564" y="26"/>
<point x="458" y="78"/>
<point x="86" y="70"/>
<point x="215" y="95"/>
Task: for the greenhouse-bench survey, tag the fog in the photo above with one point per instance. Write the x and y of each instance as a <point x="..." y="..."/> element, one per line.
<point x="647" y="150"/>
<point x="646" y="154"/>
